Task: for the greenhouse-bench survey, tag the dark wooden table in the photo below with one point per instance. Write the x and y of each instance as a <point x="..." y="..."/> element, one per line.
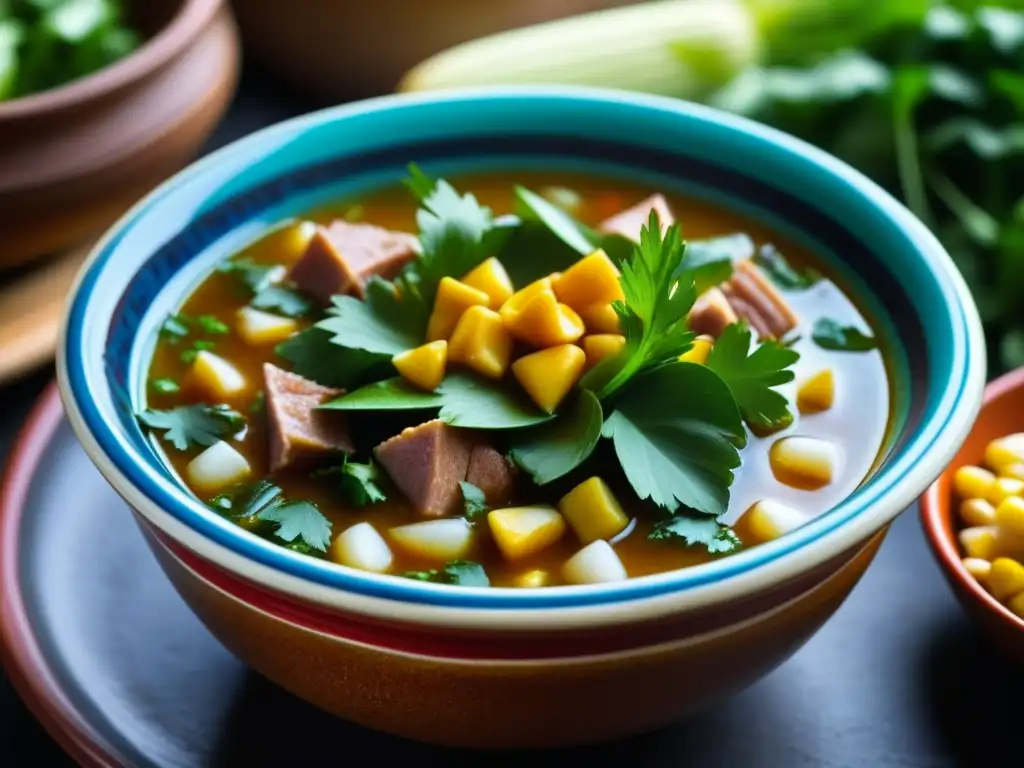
<point x="898" y="678"/>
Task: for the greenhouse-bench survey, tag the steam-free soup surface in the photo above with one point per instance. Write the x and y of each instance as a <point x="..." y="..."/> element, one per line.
<point x="844" y="410"/>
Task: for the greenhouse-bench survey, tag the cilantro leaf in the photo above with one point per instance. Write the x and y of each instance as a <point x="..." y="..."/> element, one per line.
<point x="283" y="300"/>
<point x="675" y="432"/>
<point x="174" y="329"/>
<point x="313" y="356"/>
<point x="299" y="520"/>
<point x="165" y="386"/>
<point x="461" y="573"/>
<point x="580" y="238"/>
<point x="693" y="530"/>
<point x="782" y="273"/>
<point x="379" y="324"/>
<point x="751" y="376"/>
<point x="255" y="277"/>
<point x="474" y="500"/>
<point x="830" y="334"/>
<point x="395" y="394"/>
<point x="263" y="495"/>
<point x="357" y="482"/>
<point x="555" y="449"/>
<point x="210" y="324"/>
<point x="710" y="262"/>
<point x="194" y="424"/>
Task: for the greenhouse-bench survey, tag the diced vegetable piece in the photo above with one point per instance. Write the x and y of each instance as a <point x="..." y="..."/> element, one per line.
<point x="594" y="279"/>
<point x="700" y="350"/>
<point x="592" y="511"/>
<point x="1004" y="452"/>
<point x="601" y="318"/>
<point x="482" y="342"/>
<point x="973" y="482"/>
<point x="533" y="579"/>
<point x="216" y="377"/>
<point x="543" y="322"/>
<point x="598" y="346"/>
<point x="491" y="278"/>
<point x="549" y="375"/>
<point x="216" y="468"/>
<point x="296" y="240"/>
<point x="258" y="328"/>
<point x="978" y="568"/>
<point x="1006" y="579"/>
<point x="768" y="520"/>
<point x="977" y="512"/>
<point x="519" y="299"/>
<point x="1016" y="605"/>
<point x="1016" y="471"/>
<point x="523" y="531"/>
<point x="424" y="366"/>
<point x="596" y="563"/>
<point x="817" y="393"/>
<point x="440" y="540"/>
<point x="453" y="299"/>
<point x="804" y="462"/>
<point x="1005" y="488"/>
<point x="981" y="541"/>
<point x="362" y="547"/>
<point x="1010" y="516"/>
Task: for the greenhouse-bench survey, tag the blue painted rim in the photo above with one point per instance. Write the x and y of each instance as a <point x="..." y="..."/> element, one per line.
<point x="525" y="113"/>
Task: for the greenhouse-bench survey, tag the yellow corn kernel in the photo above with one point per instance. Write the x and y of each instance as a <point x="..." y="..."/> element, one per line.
<point x="973" y="482"/>
<point x="1005" y="488"/>
<point x="453" y="299"/>
<point x="523" y="531"/>
<point x="491" y="278"/>
<point x="533" y="579"/>
<point x="977" y="567"/>
<point x="699" y="352"/>
<point x="481" y="342"/>
<point x="591" y="280"/>
<point x="981" y="541"/>
<point x="601" y="318"/>
<point x="216" y="377"/>
<point x="1004" y="452"/>
<point x="1016" y="605"/>
<point x="424" y="366"/>
<point x="768" y="520"/>
<point x="592" y="511"/>
<point x="817" y="393"/>
<point x="803" y="462"/>
<point x="977" y="512"/>
<point x="1009" y="516"/>
<point x="1016" y="471"/>
<point x="549" y="375"/>
<point x="543" y="322"/>
<point x="598" y="346"/>
<point x="256" y="327"/>
<point x="519" y="299"/>
<point x="1006" y="579"/>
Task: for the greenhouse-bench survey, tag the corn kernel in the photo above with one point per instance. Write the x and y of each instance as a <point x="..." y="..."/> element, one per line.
<point x="491" y="278"/>
<point x="1006" y="579"/>
<point x="981" y="541"/>
<point x="817" y="393"/>
<point x="216" y="377"/>
<point x="803" y="462"/>
<point x="1016" y="471"/>
<point x="601" y="318"/>
<point x="533" y="579"/>
<point x="514" y="304"/>
<point x="1004" y="452"/>
<point x="591" y="280"/>
<point x="452" y="301"/>
<point x="592" y="511"/>
<point x="699" y="352"/>
<point x="1005" y="488"/>
<point x="424" y="366"/>
<point x="599" y="346"/>
<point x="768" y="520"/>
<point x="481" y="342"/>
<point x="1009" y="516"/>
<point x="549" y="375"/>
<point x="523" y="531"/>
<point x="977" y="567"/>
<point x="977" y="512"/>
<point x="543" y="322"/>
<point x="1016" y="605"/>
<point x="257" y="328"/>
<point x="973" y="482"/>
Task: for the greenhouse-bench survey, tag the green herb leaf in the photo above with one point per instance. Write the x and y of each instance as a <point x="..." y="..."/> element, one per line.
<point x="263" y="495"/>
<point x="580" y="238"/>
<point x="693" y="530"/>
<point x="710" y="262"/>
<point x="194" y="424"/>
<point x="553" y="450"/>
<point x="474" y="501"/>
<point x="675" y="432"/>
<point x="259" y="403"/>
<point x="752" y="376"/>
<point x="461" y="573"/>
<point x="174" y="329"/>
<point x="380" y="324"/>
<point x="782" y="273"/>
<point x="830" y="334"/>
<point x="165" y="386"/>
<point x="255" y="277"/>
<point x="210" y="324"/>
<point x="299" y="520"/>
<point x="395" y="394"/>
<point x="313" y="356"/>
<point x="283" y="301"/>
<point x="358" y="482"/>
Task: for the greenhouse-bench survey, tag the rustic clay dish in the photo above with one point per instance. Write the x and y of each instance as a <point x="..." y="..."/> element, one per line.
<point x="1001" y="413"/>
<point x="74" y="158"/>
<point x="504" y="667"/>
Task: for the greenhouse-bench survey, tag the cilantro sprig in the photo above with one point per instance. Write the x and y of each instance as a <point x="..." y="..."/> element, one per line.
<point x="187" y="425"/>
<point x="358" y="484"/>
<point x="300" y="524"/>
<point x="460" y="573"/>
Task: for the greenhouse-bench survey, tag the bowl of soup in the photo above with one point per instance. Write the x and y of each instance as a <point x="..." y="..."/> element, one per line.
<point x="518" y="417"/>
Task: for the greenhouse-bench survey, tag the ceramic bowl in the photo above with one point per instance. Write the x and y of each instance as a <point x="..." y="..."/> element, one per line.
<point x="506" y="667"/>
<point x="74" y="158"/>
<point x="1001" y="413"/>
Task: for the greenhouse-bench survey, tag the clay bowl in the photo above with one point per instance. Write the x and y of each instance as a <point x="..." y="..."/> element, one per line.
<point x="502" y="667"/>
<point x="72" y="159"/>
<point x="335" y="51"/>
<point x="1001" y="413"/>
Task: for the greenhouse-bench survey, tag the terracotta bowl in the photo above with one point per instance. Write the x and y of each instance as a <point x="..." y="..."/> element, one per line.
<point x="1002" y="413"/>
<point x="74" y="158"/>
<point x="503" y="667"/>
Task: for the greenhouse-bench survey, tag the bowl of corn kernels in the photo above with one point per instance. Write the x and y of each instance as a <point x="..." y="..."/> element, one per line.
<point x="974" y="516"/>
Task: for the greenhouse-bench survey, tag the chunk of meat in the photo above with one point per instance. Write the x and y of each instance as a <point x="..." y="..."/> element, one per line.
<point x="299" y="432"/>
<point x="342" y="257"/>
<point x="628" y="222"/>
<point x="492" y="473"/>
<point x="753" y="297"/>
<point x="711" y="313"/>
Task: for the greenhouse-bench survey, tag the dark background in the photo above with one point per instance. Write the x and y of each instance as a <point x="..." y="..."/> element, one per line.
<point x="898" y="678"/>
